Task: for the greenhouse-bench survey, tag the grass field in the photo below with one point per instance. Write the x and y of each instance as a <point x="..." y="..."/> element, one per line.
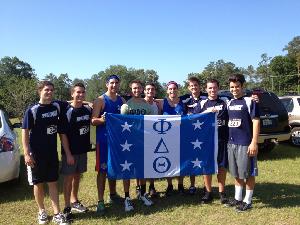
<point x="276" y="199"/>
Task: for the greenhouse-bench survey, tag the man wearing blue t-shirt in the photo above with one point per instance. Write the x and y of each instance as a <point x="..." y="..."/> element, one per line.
<point x="75" y="145"/>
<point x="214" y="104"/>
<point x="39" y="138"/>
<point x="243" y="126"/>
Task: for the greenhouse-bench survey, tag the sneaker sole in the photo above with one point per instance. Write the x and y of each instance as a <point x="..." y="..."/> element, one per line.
<point x="78" y="210"/>
<point x="43" y="222"/>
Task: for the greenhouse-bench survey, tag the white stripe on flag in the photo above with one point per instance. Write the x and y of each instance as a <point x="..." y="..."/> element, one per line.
<point x="161" y="146"/>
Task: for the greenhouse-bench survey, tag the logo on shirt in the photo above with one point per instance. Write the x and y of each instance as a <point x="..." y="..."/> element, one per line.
<point x="81" y="118"/>
<point x="52" y="129"/>
<point x="84" y="130"/>
<point x="235" y="107"/>
<point x="49" y="114"/>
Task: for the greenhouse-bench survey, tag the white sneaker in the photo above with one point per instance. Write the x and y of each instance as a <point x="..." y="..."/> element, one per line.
<point x="128" y="204"/>
<point x="60" y="219"/>
<point x="146" y="200"/>
<point x="43" y="217"/>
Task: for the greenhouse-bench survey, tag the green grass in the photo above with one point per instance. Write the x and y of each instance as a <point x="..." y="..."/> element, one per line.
<point x="276" y="199"/>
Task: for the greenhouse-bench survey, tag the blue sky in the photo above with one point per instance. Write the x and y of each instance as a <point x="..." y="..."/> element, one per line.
<point x="172" y="37"/>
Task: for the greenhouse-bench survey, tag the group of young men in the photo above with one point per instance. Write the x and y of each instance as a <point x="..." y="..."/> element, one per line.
<point x="238" y="129"/>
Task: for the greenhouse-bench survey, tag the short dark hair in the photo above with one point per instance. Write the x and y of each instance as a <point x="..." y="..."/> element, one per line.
<point x="135" y="82"/>
<point x="237" y="77"/>
<point x="194" y="79"/>
<point x="44" y="83"/>
<point x="212" y="80"/>
<point x="79" y="84"/>
<point x="151" y="84"/>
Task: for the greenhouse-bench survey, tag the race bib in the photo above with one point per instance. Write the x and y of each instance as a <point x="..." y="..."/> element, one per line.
<point x="234" y="123"/>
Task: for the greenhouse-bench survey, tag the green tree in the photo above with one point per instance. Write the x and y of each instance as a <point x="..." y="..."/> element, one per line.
<point x="17" y="94"/>
<point x="293" y="47"/>
<point x="283" y="69"/>
<point x="263" y="72"/>
<point x="62" y="85"/>
<point x="15" y="67"/>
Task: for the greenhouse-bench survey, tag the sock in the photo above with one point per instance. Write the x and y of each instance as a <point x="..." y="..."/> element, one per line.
<point x="127" y="194"/>
<point x="143" y="189"/>
<point x="248" y="196"/>
<point x="238" y="193"/>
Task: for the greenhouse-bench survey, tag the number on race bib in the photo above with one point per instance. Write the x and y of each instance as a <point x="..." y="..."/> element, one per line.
<point x="234" y="123"/>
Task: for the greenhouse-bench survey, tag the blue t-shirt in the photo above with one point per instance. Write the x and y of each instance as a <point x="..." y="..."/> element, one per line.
<point x="42" y="121"/>
<point x="191" y="103"/>
<point x="222" y="116"/>
<point x="241" y="111"/>
<point x="179" y="109"/>
<point x="76" y="125"/>
<point x="110" y="106"/>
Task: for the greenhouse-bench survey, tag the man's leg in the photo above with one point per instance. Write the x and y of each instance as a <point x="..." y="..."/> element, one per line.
<point x="38" y="191"/>
<point x="67" y="189"/>
<point x="112" y="186"/>
<point x="221" y="176"/>
<point x="75" y="187"/>
<point x="250" y="183"/>
<point x="53" y="193"/>
<point x="128" y="204"/>
<point x="207" y="198"/>
<point x="101" y="179"/>
<point x="192" y="189"/>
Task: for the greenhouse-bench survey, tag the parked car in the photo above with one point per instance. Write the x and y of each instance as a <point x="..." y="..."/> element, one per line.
<point x="9" y="149"/>
<point x="292" y="105"/>
<point x="274" y="124"/>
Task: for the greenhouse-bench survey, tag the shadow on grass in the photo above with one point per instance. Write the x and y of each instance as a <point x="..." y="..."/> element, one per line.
<point x="281" y="151"/>
<point x="271" y="195"/>
<point x="17" y="190"/>
<point x="275" y="195"/>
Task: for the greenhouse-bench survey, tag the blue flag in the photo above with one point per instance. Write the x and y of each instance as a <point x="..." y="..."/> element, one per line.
<point x="161" y="145"/>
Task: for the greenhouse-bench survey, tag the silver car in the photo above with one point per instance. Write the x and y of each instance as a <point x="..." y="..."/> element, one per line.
<point x="9" y="149"/>
<point x="292" y="105"/>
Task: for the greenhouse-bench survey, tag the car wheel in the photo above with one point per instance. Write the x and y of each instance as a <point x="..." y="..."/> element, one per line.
<point x="295" y="136"/>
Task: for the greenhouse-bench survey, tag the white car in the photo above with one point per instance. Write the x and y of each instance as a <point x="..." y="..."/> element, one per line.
<point x="9" y="150"/>
<point x="292" y="105"/>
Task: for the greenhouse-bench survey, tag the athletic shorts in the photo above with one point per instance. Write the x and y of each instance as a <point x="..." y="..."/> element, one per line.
<point x="240" y="164"/>
<point x="80" y="165"/>
<point x="101" y="156"/>
<point x="45" y="169"/>
<point x="222" y="154"/>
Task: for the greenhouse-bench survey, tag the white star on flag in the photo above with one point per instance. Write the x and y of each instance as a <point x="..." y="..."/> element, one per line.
<point x="125" y="165"/>
<point x="198" y="125"/>
<point x="197" y="143"/>
<point x="126" y="126"/>
<point x="196" y="163"/>
<point x="126" y="146"/>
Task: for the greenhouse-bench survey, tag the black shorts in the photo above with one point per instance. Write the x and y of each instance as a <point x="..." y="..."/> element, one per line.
<point x="45" y="169"/>
<point x="222" y="154"/>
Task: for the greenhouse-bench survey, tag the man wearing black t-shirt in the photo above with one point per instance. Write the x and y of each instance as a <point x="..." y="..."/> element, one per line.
<point x="75" y="144"/>
<point x="39" y="139"/>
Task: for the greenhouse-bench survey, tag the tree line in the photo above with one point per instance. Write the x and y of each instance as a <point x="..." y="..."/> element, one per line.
<point x="18" y="79"/>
